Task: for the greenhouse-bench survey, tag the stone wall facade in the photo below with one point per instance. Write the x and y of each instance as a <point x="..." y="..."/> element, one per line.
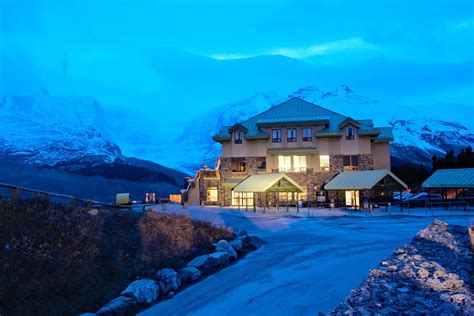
<point x="312" y="181"/>
<point x="366" y="162"/>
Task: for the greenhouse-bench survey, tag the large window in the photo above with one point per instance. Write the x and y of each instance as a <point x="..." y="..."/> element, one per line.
<point x="262" y="165"/>
<point x="351" y="162"/>
<point x="212" y="194"/>
<point x="284" y="163"/>
<point x="299" y="163"/>
<point x="291" y="135"/>
<point x="276" y="136"/>
<point x="324" y="162"/>
<point x="238" y="137"/>
<point x="239" y="165"/>
<point x="307" y="134"/>
<point x="292" y="163"/>
<point x="242" y="198"/>
<point x="349" y="131"/>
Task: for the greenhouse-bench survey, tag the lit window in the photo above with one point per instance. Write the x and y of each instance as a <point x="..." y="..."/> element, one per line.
<point x="212" y="194"/>
<point x="242" y="198"/>
<point x="324" y="162"/>
<point x="238" y="138"/>
<point x="291" y="133"/>
<point x="349" y="132"/>
<point x="239" y="165"/>
<point x="299" y="163"/>
<point x="284" y="163"/>
<point x="276" y="136"/>
<point x="307" y="134"/>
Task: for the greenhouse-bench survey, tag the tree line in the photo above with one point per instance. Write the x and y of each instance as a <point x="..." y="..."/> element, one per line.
<point x="465" y="159"/>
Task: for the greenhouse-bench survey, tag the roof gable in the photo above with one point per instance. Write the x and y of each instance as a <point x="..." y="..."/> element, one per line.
<point x="296" y="111"/>
<point x="268" y="182"/>
<point x="361" y="180"/>
<point x="451" y="178"/>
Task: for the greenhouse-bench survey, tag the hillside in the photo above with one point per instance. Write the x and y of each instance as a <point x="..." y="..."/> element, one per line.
<point x="63" y="144"/>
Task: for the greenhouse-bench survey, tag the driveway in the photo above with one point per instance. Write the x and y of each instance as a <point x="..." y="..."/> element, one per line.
<point x="309" y="264"/>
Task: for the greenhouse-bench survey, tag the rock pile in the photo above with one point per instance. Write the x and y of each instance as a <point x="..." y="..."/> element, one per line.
<point x="166" y="281"/>
<point x="433" y="275"/>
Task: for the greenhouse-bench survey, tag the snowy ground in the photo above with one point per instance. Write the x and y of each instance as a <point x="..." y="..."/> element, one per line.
<point x="309" y="265"/>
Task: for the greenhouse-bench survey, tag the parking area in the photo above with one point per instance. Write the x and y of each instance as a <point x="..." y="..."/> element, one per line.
<point x="309" y="264"/>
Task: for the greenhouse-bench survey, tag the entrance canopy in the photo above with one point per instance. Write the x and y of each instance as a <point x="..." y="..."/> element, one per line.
<point x="232" y="182"/>
<point x="268" y="182"/>
<point x="451" y="179"/>
<point x="365" y="180"/>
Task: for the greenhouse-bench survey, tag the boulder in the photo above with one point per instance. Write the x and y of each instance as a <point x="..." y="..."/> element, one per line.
<point x="121" y="305"/>
<point x="144" y="291"/>
<point x="189" y="274"/>
<point x="224" y="246"/>
<point x="209" y="262"/>
<point x="237" y="244"/>
<point x="242" y="233"/>
<point x="168" y="280"/>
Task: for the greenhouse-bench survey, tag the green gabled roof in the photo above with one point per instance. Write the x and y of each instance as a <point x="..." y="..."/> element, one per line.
<point x="385" y="135"/>
<point x="451" y="178"/>
<point x="268" y="182"/>
<point x="360" y="180"/>
<point x="369" y="132"/>
<point x="323" y="119"/>
<point x="292" y="150"/>
<point x="297" y="111"/>
<point x="326" y="132"/>
<point x="232" y="182"/>
<point x="347" y="121"/>
<point x="224" y="134"/>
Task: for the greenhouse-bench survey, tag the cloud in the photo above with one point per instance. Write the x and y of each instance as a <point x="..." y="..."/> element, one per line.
<point x="321" y="49"/>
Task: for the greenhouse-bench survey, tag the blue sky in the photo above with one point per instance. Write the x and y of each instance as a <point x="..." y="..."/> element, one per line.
<point x="409" y="30"/>
<point x="423" y="51"/>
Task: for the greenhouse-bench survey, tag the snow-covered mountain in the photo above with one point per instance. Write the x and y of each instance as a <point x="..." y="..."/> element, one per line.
<point x="417" y="140"/>
<point x="424" y="137"/>
<point x="53" y="131"/>
<point x="62" y="144"/>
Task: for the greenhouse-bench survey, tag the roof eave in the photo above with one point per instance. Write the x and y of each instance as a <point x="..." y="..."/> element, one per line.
<point x="221" y="138"/>
<point x="328" y="135"/>
<point x="257" y="137"/>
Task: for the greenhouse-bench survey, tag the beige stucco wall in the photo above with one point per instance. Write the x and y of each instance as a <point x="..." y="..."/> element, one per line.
<point x="381" y="152"/>
<point x="325" y="146"/>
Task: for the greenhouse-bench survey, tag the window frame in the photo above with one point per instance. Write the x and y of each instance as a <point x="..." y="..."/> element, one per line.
<point x="353" y="162"/>
<point x="293" y="139"/>
<point x="215" y="198"/>
<point x="310" y="137"/>
<point x="324" y="169"/>
<point x="238" y="165"/>
<point x="299" y="168"/>
<point x="238" y="140"/>
<point x="277" y="139"/>
<point x="349" y="136"/>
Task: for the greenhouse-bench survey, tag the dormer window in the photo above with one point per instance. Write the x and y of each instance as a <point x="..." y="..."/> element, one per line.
<point x="349" y="131"/>
<point x="291" y="133"/>
<point x="238" y="137"/>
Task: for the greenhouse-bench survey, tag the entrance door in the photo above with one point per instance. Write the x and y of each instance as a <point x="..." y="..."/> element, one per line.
<point x="242" y="199"/>
<point x="352" y="198"/>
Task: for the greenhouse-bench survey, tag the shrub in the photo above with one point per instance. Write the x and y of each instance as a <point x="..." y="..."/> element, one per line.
<point x="61" y="259"/>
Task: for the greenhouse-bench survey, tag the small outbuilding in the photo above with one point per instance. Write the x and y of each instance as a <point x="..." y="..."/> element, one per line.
<point x="353" y="187"/>
<point x="452" y="183"/>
